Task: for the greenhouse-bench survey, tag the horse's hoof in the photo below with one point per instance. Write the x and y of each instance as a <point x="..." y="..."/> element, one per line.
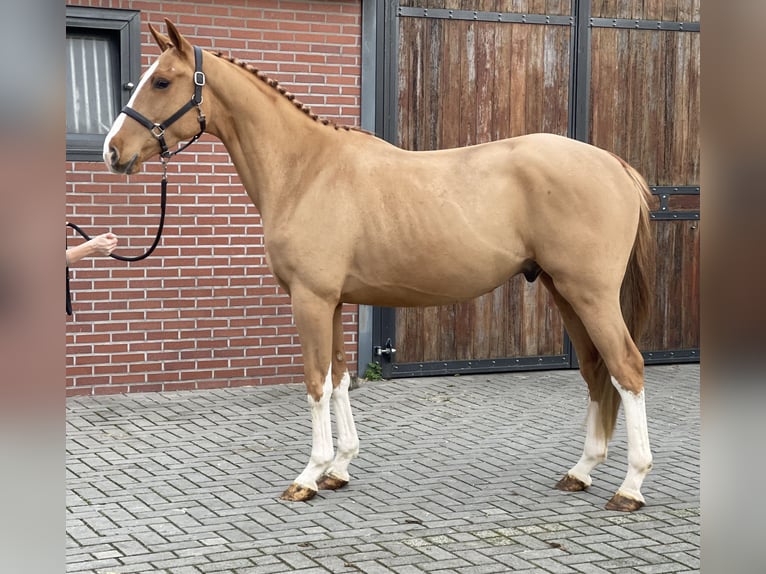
<point x="623" y="503"/>
<point x="298" y="493"/>
<point x="571" y="484"/>
<point x="329" y="482"/>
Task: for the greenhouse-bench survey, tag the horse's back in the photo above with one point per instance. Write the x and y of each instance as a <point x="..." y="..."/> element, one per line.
<point x="513" y="171"/>
<point x="508" y="191"/>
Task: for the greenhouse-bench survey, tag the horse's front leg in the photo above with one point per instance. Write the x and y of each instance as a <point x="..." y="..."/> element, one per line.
<point x="337" y="475"/>
<point x="314" y="320"/>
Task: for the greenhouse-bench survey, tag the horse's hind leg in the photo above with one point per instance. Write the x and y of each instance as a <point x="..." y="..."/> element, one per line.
<point x="599" y="311"/>
<point x="628" y="497"/>
<point x="604" y="402"/>
<point x="348" y="442"/>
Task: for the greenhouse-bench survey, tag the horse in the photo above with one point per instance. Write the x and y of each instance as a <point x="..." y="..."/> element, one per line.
<point x="333" y="199"/>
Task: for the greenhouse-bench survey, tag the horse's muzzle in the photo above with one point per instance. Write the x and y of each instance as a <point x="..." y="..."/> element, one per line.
<point x="112" y="160"/>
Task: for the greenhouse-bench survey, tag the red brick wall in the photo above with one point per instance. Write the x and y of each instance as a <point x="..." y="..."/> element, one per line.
<point x="203" y="311"/>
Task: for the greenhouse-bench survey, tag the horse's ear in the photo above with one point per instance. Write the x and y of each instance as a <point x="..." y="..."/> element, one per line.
<point x="162" y="41"/>
<point x="181" y="43"/>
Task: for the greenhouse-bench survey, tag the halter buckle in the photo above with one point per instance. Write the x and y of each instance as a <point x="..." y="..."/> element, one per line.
<point x="157" y="131"/>
<point x="199" y="79"/>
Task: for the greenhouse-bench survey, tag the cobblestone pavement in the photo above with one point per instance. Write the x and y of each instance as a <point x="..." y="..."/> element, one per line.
<point x="455" y="474"/>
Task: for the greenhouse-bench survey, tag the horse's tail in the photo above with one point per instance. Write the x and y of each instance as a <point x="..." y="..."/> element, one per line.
<point x="637" y="284"/>
<point x="634" y="297"/>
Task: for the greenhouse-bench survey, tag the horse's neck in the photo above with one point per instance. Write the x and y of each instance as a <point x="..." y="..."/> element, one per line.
<point x="271" y="143"/>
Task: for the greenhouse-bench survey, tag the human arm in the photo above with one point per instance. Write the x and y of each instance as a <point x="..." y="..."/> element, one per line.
<point x="102" y="244"/>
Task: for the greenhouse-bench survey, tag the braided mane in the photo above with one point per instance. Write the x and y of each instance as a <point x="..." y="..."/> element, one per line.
<point x="284" y="92"/>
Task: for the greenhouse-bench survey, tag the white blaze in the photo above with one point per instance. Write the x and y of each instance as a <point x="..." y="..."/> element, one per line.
<point x="117" y="125"/>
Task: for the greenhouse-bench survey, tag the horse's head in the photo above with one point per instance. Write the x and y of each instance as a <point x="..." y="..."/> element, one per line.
<point x="150" y="123"/>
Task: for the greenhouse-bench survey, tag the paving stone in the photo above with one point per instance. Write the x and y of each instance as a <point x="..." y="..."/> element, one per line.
<point x="455" y="475"/>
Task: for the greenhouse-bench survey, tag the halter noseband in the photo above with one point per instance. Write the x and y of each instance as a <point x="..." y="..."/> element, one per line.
<point x="158" y="130"/>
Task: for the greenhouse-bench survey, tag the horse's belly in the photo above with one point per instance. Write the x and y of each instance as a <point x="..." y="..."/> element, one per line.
<point x="427" y="283"/>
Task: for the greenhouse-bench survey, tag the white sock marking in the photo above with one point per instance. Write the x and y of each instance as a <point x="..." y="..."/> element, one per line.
<point x="321" y="433"/>
<point x="595" y="449"/>
<point x="639" y="453"/>
<point x="348" y="441"/>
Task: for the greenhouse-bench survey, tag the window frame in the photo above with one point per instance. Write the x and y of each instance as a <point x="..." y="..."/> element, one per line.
<point x="127" y="25"/>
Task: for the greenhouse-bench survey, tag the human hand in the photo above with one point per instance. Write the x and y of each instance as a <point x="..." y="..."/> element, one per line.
<point x="104" y="244"/>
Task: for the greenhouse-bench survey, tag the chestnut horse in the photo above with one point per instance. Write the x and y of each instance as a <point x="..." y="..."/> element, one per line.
<point x="333" y="199"/>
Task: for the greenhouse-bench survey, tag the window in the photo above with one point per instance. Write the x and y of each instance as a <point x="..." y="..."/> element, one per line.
<point x="103" y="53"/>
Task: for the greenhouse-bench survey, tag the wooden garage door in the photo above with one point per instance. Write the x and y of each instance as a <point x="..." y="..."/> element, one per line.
<point x="645" y="107"/>
<point x="621" y="74"/>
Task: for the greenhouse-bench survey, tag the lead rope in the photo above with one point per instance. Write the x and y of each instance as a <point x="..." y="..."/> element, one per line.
<point x="68" y="293"/>
<point x="163" y="202"/>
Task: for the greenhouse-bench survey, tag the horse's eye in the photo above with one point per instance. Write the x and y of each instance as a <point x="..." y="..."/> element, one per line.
<point x="161" y="83"/>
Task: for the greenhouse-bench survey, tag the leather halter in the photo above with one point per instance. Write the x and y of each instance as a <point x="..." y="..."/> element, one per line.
<point x="158" y="130"/>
